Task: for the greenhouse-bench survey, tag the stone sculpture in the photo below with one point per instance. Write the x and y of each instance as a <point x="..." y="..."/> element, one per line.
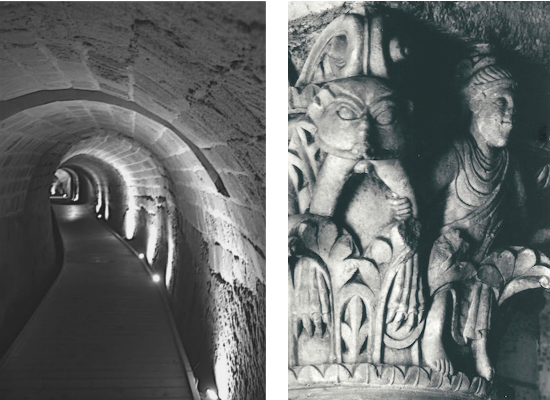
<point x="358" y="280"/>
<point x="474" y="176"/>
<point x="477" y="178"/>
<point x="380" y="239"/>
<point x="356" y="296"/>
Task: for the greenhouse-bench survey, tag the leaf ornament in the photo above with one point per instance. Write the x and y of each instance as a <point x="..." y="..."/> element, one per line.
<point x="514" y="270"/>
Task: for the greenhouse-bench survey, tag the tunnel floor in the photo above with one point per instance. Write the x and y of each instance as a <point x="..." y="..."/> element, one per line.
<point x="102" y="332"/>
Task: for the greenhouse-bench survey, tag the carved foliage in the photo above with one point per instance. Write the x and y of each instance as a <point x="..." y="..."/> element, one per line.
<point x="340" y="295"/>
<point x="409" y="377"/>
<point x="514" y="270"/>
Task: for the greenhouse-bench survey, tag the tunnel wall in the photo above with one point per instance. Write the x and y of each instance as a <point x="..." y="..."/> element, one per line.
<point x="215" y="273"/>
<point x="94" y="174"/>
<point x="186" y="82"/>
<point x="28" y="266"/>
<point x="218" y="279"/>
<point x="31" y="257"/>
<point x="132" y="193"/>
<point x="227" y="318"/>
<point x="227" y="234"/>
<point x="210" y="249"/>
<point x="87" y="193"/>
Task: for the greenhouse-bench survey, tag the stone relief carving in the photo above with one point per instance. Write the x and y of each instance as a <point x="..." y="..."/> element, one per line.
<point x="358" y="299"/>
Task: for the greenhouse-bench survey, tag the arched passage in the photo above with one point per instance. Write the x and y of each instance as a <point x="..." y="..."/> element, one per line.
<point x="133" y="194"/>
<point x="65" y="184"/>
<point x="167" y="128"/>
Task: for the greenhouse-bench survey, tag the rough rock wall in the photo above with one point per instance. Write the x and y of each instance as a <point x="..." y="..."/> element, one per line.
<point x="227" y="319"/>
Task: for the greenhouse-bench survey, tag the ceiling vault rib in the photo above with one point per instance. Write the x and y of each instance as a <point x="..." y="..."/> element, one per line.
<point x="13" y="106"/>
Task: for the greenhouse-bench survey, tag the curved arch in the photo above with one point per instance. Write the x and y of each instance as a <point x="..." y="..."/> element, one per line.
<point x="99" y="178"/>
<point x="16" y="105"/>
<point x="74" y="185"/>
<point x="62" y="184"/>
<point x="87" y="182"/>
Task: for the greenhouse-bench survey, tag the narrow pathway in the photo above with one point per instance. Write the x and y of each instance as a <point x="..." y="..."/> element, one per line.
<point x="102" y="332"/>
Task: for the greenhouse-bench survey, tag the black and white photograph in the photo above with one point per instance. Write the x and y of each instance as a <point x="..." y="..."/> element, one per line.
<point x="418" y="200"/>
<point x="132" y="200"/>
<point x="143" y="188"/>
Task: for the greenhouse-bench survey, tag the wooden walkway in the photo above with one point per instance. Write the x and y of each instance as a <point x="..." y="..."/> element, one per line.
<point x="102" y="332"/>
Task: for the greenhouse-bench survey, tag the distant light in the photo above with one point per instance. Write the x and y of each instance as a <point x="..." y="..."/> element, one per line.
<point x="99" y="216"/>
<point x="141" y="256"/>
<point x="211" y="394"/>
<point x="156" y="278"/>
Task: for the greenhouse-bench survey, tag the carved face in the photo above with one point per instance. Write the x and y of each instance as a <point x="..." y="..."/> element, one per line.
<point x="358" y="118"/>
<point x="493" y="117"/>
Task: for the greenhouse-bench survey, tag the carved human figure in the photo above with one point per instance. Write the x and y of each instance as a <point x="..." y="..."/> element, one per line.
<point x="473" y="181"/>
<point x="345" y="166"/>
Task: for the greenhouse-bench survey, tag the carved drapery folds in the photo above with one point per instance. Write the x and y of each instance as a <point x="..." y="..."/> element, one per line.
<point x="359" y="309"/>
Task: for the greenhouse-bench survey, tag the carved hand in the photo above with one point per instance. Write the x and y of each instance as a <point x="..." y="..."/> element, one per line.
<point x="401" y="207"/>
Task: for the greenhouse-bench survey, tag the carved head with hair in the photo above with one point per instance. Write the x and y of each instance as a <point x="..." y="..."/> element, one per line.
<point x="488" y="91"/>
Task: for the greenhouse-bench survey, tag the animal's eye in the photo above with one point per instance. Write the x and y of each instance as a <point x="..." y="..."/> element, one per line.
<point x="386" y="117"/>
<point x="347" y="113"/>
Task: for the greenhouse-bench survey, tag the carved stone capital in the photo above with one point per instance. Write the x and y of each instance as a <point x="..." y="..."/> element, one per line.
<point x="359" y="258"/>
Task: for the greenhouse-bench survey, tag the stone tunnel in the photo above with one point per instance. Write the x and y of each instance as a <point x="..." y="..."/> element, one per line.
<point x="154" y="113"/>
